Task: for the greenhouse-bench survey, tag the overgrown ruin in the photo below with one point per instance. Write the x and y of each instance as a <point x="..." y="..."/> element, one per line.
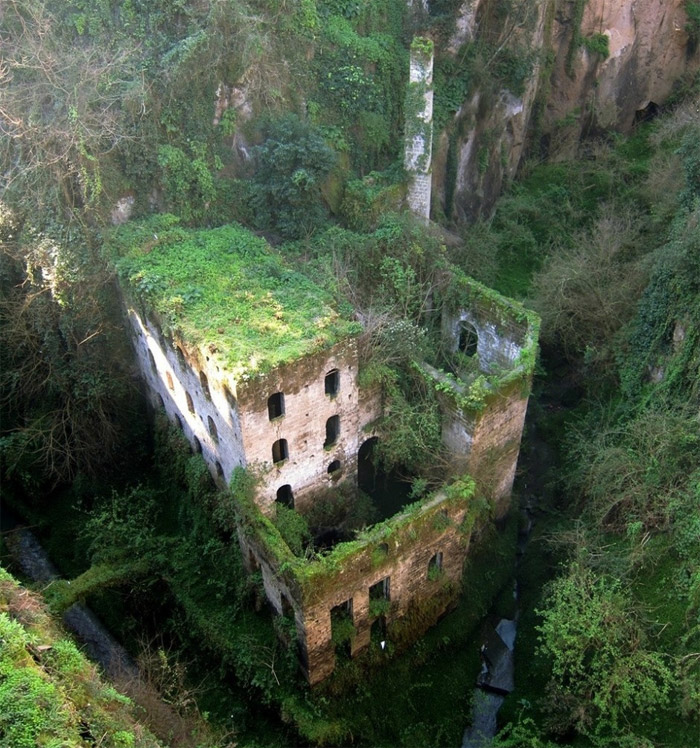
<point x="285" y="427"/>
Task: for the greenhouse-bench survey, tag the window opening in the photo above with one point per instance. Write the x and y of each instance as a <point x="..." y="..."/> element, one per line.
<point x="178" y="420"/>
<point x="212" y="429"/>
<point x="332" y="431"/>
<point x="180" y="357"/>
<point x="219" y="469"/>
<point x="161" y="402"/>
<point x="190" y="403"/>
<point x="435" y="566"/>
<point x="468" y="339"/>
<point x="196" y="445"/>
<point x="380" y="590"/>
<point x="285" y="495"/>
<point x="334" y="467"/>
<point x="205" y="384"/>
<point x="169" y="380"/>
<point x="154" y="368"/>
<point x="378" y="632"/>
<point x="280" y="451"/>
<point x="332" y="382"/>
<point x="275" y="405"/>
<point x="342" y="628"/>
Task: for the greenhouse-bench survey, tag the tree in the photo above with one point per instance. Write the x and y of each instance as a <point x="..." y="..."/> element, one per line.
<point x="602" y="668"/>
<point x="293" y="162"/>
<point x="61" y="109"/>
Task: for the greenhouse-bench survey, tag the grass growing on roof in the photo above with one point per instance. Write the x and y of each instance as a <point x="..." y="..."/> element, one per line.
<point x="228" y="289"/>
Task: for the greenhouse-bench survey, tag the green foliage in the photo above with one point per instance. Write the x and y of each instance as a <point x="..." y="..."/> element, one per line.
<point x="632" y="471"/>
<point x="50" y="694"/>
<point x="692" y="27"/>
<point x="598" y="44"/>
<point x="367" y="200"/>
<point x="292" y="163"/>
<point x="293" y="528"/>
<point x="188" y="180"/>
<point x="602" y="668"/>
<point x="226" y="288"/>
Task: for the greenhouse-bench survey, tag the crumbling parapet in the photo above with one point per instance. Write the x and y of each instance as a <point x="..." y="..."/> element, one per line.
<point x="419" y="127"/>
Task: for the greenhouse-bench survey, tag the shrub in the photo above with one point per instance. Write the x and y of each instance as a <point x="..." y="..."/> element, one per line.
<point x="292" y="163"/>
<point x="602" y="670"/>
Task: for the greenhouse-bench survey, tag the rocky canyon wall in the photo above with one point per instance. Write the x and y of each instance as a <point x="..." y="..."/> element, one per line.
<point x="590" y="65"/>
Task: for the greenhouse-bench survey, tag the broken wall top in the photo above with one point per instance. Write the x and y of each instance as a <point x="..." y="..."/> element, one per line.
<point x="227" y="293"/>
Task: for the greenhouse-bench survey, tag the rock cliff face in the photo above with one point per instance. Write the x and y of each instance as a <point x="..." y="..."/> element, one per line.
<point x="648" y="52"/>
<point x="573" y="88"/>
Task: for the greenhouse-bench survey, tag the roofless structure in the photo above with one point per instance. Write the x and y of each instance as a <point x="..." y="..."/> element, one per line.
<point x="259" y="368"/>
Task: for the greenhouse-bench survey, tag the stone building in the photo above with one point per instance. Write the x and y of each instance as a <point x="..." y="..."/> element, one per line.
<point x="298" y="418"/>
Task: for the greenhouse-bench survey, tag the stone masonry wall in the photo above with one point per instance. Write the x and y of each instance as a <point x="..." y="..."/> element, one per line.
<point x="403" y="560"/>
<point x="419" y="135"/>
<point x="170" y="378"/>
<point x="306" y="410"/>
<point x="230" y="424"/>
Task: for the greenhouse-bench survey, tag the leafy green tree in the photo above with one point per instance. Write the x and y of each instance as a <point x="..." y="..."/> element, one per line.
<point x="603" y="670"/>
<point x="292" y="163"/>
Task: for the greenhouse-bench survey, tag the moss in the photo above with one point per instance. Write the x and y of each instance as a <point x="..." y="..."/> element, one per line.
<point x="49" y="693"/>
<point x="227" y="289"/>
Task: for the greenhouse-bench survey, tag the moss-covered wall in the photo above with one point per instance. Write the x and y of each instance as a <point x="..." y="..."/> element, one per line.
<point x="399" y="550"/>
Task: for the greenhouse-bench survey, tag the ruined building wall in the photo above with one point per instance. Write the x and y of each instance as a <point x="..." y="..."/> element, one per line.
<point x="190" y="400"/>
<point x="419" y="128"/>
<point x="230" y="423"/>
<point x="396" y="564"/>
<point x="303" y="424"/>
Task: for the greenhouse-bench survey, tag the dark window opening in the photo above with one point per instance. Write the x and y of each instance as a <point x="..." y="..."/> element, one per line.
<point x="180" y="357"/>
<point x="435" y="566"/>
<point x="161" y="402"/>
<point x="280" y="452"/>
<point x="219" y="469"/>
<point x="285" y="495"/>
<point x="169" y="380"/>
<point x="378" y="632"/>
<point x="154" y="368"/>
<point x="212" y="429"/>
<point x="332" y="383"/>
<point x="332" y="431"/>
<point x="205" y="385"/>
<point x="468" y="339"/>
<point x="196" y="445"/>
<point x="389" y="491"/>
<point x="190" y="403"/>
<point x="383" y="548"/>
<point x="275" y="405"/>
<point x="380" y="590"/>
<point x="334" y="467"/>
<point x="230" y="399"/>
<point x="178" y="421"/>
<point x="342" y="628"/>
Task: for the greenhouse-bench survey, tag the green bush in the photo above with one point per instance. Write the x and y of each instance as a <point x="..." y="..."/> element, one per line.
<point x="603" y="671"/>
<point x="293" y="528"/>
<point x="292" y="163"/>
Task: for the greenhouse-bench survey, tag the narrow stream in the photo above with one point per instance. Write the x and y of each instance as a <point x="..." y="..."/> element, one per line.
<point x="496" y="678"/>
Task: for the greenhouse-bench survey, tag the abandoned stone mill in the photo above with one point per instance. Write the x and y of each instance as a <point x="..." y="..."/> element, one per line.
<point x="290" y="409"/>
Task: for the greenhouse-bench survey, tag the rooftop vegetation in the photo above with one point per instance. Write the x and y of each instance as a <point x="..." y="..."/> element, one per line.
<point x="227" y="289"/>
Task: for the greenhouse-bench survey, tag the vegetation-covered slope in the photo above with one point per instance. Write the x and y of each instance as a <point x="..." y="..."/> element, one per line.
<point x="49" y="693"/>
